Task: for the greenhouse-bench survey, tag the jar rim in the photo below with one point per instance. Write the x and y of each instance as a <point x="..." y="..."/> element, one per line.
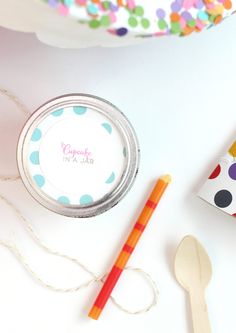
<point x="125" y="130"/>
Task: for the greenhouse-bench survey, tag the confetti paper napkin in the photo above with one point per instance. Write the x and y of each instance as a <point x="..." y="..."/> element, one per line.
<point x="82" y="23"/>
<point x="220" y="188"/>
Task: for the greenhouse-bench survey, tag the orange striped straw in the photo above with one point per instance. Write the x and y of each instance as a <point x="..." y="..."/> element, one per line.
<point x="129" y="246"/>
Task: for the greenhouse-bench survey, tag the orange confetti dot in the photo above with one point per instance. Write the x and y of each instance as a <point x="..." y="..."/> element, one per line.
<point x="120" y="3"/>
<point x="208" y="1"/>
<point x="187" y="31"/>
<point x="227" y="4"/>
<point x="175" y="17"/>
<point x="218" y="19"/>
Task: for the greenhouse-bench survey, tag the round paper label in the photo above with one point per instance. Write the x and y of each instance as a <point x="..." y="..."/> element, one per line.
<point x="76" y="155"/>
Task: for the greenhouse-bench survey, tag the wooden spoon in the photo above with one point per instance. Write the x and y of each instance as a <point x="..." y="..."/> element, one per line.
<point x="193" y="272"/>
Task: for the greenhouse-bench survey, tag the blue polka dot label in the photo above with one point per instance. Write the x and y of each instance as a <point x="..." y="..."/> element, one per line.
<point x="220" y="188"/>
<point x="77" y="155"/>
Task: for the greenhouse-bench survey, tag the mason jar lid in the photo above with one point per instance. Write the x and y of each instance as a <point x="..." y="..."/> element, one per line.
<point x="78" y="155"/>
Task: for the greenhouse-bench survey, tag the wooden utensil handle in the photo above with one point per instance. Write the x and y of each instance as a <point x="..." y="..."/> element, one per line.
<point x="201" y="323"/>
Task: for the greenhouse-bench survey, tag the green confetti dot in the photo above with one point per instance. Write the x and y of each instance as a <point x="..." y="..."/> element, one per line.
<point x="139" y="11"/>
<point x="106" y="4"/>
<point x="94" y="24"/>
<point x="175" y="27"/>
<point x="105" y="21"/>
<point x="162" y="24"/>
<point x="145" y="23"/>
<point x="133" y="22"/>
<point x="192" y="23"/>
<point x="212" y="18"/>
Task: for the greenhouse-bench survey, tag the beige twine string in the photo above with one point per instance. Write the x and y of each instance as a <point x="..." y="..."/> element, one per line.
<point x="25" y="111"/>
<point x="27" y="225"/>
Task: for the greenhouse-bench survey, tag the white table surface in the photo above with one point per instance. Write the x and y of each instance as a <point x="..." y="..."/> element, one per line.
<point x="180" y="96"/>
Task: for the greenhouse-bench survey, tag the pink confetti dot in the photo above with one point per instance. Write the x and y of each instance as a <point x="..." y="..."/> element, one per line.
<point x="200" y="25"/>
<point x="131" y="4"/>
<point x="113" y="17"/>
<point x="63" y="10"/>
<point x="187" y="4"/>
<point x="182" y="22"/>
<point x="210" y="6"/>
<point x="81" y="2"/>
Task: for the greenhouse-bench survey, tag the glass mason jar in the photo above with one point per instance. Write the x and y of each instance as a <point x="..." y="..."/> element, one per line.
<point x="78" y="155"/>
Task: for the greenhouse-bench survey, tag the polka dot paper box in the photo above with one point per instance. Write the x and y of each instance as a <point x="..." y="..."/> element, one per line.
<point x="220" y="188"/>
<point x="82" y="23"/>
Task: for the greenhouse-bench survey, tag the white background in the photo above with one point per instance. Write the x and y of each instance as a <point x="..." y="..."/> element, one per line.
<point x="180" y="96"/>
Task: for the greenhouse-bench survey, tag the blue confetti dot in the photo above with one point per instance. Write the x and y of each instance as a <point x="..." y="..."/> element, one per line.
<point x="57" y="113"/>
<point x="111" y="178"/>
<point x="86" y="199"/>
<point x="36" y="135"/>
<point x="121" y="32"/>
<point x="34" y="157"/>
<point x="107" y="127"/>
<point x="68" y="3"/>
<point x="79" y="110"/>
<point x="203" y="16"/>
<point x="64" y="200"/>
<point x="39" y="180"/>
<point x="92" y="9"/>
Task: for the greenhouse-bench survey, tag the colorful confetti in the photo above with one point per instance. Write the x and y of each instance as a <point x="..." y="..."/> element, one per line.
<point x="146" y="18"/>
